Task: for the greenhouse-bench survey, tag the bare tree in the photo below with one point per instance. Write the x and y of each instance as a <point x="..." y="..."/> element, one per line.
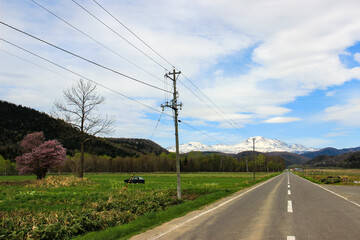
<point x="80" y="110"/>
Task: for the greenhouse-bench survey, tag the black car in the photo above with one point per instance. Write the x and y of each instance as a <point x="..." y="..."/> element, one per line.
<point x="135" y="180"/>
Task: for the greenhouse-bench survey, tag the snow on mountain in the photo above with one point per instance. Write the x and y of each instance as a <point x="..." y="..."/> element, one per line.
<point x="261" y="145"/>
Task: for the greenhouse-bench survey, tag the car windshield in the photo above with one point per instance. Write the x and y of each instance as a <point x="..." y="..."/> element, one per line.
<point x="141" y="178"/>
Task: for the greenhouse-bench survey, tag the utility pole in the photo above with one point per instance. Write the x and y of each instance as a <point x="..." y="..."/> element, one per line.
<point x="254" y="158"/>
<point x="247" y="167"/>
<point x="267" y="163"/>
<point x="174" y="105"/>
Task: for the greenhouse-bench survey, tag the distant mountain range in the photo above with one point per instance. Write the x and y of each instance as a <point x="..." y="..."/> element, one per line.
<point x="330" y="152"/>
<point x="261" y="145"/>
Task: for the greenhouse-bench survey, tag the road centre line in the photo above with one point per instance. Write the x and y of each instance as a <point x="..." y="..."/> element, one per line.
<point x="210" y="210"/>
<point x="289" y="207"/>
<point x="334" y="193"/>
<point x="289" y="192"/>
<point x="288" y="185"/>
<point x="290" y="238"/>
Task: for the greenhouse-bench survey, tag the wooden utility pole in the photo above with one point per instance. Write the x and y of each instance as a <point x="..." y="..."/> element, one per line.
<point x="267" y="163"/>
<point x="253" y="158"/>
<point x="174" y="105"/>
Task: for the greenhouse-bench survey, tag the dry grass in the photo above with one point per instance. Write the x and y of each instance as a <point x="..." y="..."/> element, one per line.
<point x="333" y="176"/>
<point x="60" y="181"/>
<point x="334" y="170"/>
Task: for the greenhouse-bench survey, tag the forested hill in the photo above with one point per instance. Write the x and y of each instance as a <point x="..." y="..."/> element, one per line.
<point x="17" y="121"/>
<point x="346" y="160"/>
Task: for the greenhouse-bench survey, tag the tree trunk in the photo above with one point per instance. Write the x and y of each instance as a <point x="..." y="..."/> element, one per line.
<point x="81" y="164"/>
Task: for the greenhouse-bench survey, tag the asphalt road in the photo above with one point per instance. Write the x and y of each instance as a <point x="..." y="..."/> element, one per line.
<point x="285" y="207"/>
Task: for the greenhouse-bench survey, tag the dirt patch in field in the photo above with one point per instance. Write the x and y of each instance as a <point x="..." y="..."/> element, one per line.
<point x="191" y="196"/>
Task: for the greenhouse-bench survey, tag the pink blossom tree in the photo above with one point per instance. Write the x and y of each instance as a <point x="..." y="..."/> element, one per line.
<point x="39" y="156"/>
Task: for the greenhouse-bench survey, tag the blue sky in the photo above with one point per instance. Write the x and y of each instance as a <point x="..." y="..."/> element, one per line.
<point x="286" y="70"/>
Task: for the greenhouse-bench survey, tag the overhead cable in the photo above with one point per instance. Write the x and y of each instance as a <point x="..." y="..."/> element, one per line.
<point x="229" y="120"/>
<point x="83" y="58"/>
<point x="103" y="45"/>
<point x="204" y="133"/>
<point x="119" y="35"/>
<point x="232" y="122"/>
<point x="122" y="24"/>
<point x="82" y="76"/>
<point x="99" y="84"/>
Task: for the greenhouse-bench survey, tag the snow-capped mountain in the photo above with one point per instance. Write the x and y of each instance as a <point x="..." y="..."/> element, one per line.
<point x="261" y="145"/>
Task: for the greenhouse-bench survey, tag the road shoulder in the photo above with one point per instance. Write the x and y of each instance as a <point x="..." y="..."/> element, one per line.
<point x="352" y="193"/>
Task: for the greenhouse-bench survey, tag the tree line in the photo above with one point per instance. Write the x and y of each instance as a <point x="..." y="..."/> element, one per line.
<point x="191" y="162"/>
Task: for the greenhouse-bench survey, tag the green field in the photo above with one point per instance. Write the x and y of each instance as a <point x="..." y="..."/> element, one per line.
<point x="62" y="207"/>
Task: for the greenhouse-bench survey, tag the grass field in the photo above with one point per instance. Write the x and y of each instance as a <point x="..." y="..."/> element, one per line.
<point x="62" y="207"/>
<point x="332" y="176"/>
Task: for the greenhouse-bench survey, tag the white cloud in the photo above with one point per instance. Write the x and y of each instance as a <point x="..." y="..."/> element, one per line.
<point x="282" y="120"/>
<point x="347" y="114"/>
<point x="331" y="93"/>
<point x="297" y="44"/>
<point x="337" y="134"/>
<point x="312" y="142"/>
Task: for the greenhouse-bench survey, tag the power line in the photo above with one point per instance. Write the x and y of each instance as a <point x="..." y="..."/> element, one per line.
<point x="82" y="76"/>
<point x="229" y="120"/>
<point x="157" y="123"/>
<point x="38" y="65"/>
<point x="119" y="34"/>
<point x="83" y="58"/>
<point x="232" y="122"/>
<point x="189" y="89"/>
<point x="204" y="133"/>
<point x="95" y="82"/>
<point x="122" y="24"/>
<point x="103" y="45"/>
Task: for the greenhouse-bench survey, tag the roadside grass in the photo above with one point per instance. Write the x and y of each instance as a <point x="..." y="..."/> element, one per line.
<point x="332" y="176"/>
<point x="153" y="219"/>
<point x="62" y="207"/>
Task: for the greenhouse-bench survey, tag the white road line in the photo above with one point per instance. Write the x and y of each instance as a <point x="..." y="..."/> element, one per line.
<point x="288" y="185"/>
<point x="210" y="210"/>
<point x="290" y="238"/>
<point x="289" y="208"/>
<point x="333" y="193"/>
<point x="289" y="192"/>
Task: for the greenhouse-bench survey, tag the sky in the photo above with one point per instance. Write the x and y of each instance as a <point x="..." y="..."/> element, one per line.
<point x="287" y="70"/>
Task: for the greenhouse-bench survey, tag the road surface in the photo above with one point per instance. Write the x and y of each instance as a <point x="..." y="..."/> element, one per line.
<point x="285" y="207"/>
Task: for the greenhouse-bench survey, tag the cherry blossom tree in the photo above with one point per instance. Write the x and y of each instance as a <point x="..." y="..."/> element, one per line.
<point x="39" y="155"/>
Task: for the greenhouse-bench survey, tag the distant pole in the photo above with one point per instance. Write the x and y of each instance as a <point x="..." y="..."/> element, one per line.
<point x="174" y="105"/>
<point x="253" y="158"/>
<point x="267" y="163"/>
